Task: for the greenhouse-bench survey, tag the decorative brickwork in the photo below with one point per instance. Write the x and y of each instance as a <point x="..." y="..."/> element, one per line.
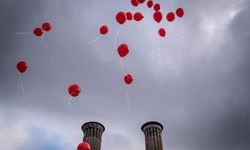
<point x="152" y="131"/>
<point x="93" y="134"/>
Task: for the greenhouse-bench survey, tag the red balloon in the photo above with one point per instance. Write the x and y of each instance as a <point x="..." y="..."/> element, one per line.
<point x="21" y="66"/>
<point x="158" y="16"/>
<point x="157" y="7"/>
<point x="170" y="16"/>
<point x="162" y="32"/>
<point x="38" y="31"/>
<point x="123" y="50"/>
<point x="74" y="90"/>
<point x="46" y="26"/>
<point x="134" y="3"/>
<point x="121" y="17"/>
<point x="128" y="79"/>
<point x="141" y="1"/>
<point x="104" y="29"/>
<point x="179" y="12"/>
<point x="129" y="16"/>
<point x="138" y="16"/>
<point x="150" y="3"/>
<point x="83" y="146"/>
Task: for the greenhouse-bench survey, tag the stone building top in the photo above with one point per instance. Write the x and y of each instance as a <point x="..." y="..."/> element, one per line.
<point x="151" y="124"/>
<point x="93" y="124"/>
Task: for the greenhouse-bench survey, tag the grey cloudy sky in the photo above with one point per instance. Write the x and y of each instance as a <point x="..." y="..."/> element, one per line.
<point x="196" y="81"/>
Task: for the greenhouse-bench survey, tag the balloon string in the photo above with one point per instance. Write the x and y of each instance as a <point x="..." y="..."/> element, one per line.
<point x="128" y="100"/>
<point x="94" y="40"/>
<point x="122" y="66"/>
<point x="129" y="25"/>
<point x="160" y="51"/>
<point x="160" y="48"/>
<point x="43" y="36"/>
<point x="23" y="33"/>
<point x="117" y="34"/>
<point x="70" y="98"/>
<point x="23" y="91"/>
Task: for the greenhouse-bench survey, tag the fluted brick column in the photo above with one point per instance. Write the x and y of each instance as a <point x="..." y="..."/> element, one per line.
<point x="152" y="131"/>
<point x="93" y="134"/>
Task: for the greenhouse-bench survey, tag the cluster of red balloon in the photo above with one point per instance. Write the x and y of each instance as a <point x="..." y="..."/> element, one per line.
<point x="123" y="51"/>
<point x="83" y="146"/>
<point x="135" y="3"/>
<point x="158" y="14"/>
<point x="74" y="90"/>
<point x="104" y="29"/>
<point x="128" y="79"/>
<point x="129" y="15"/>
<point x="45" y="27"/>
<point x="138" y="16"/>
<point x="162" y="32"/>
<point x="22" y="66"/>
<point x="121" y="16"/>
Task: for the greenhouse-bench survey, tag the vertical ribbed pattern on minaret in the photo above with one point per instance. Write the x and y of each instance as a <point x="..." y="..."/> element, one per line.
<point x="152" y="131"/>
<point x="93" y="134"/>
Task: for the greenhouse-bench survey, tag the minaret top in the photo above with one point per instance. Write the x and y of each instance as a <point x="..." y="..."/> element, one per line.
<point x="93" y="124"/>
<point x="151" y="124"/>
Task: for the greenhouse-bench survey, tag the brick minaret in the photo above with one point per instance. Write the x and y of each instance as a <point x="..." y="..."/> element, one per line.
<point x="93" y="134"/>
<point x="152" y="131"/>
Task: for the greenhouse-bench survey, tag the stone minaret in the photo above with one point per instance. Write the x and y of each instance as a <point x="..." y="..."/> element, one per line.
<point x="152" y="131"/>
<point x="93" y="134"/>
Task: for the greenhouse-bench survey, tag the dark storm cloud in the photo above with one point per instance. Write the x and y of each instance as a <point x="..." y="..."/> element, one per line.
<point x="197" y="87"/>
<point x="222" y="115"/>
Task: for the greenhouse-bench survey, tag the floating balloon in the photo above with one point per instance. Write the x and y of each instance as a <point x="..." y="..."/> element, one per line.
<point x="138" y="16"/>
<point x="21" y="66"/>
<point x="170" y="16"/>
<point x="121" y="17"/>
<point x="179" y="12"/>
<point x="38" y="31"/>
<point x="123" y="50"/>
<point x="150" y="3"/>
<point x="74" y="90"/>
<point x="46" y="26"/>
<point x="129" y="16"/>
<point x="83" y="146"/>
<point x="134" y="3"/>
<point x="162" y="32"/>
<point x="141" y="1"/>
<point x="104" y="29"/>
<point x="157" y="7"/>
<point x="157" y="16"/>
<point x="128" y="79"/>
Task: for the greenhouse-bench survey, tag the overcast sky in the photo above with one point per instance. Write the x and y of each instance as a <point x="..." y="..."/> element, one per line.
<point x="195" y="81"/>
